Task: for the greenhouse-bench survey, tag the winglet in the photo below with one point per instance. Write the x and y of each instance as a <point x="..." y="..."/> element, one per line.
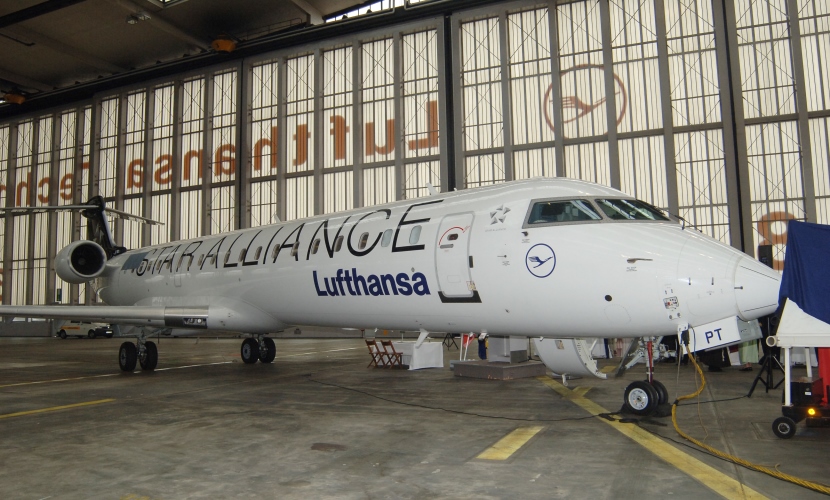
<point x="431" y="189"/>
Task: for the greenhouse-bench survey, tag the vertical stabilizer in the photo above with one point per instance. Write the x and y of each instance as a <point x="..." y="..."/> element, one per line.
<point x="98" y="229"/>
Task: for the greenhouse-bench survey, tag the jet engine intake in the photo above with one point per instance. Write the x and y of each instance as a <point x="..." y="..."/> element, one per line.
<point x="80" y="262"/>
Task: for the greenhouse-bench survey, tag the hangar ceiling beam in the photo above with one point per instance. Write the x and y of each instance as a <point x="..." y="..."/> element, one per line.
<point x="314" y="14"/>
<point x="56" y="46"/>
<point x="34" y="11"/>
<point x="163" y="25"/>
<point x="22" y="81"/>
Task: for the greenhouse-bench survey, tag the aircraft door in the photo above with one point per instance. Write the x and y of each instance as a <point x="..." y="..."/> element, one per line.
<point x="452" y="259"/>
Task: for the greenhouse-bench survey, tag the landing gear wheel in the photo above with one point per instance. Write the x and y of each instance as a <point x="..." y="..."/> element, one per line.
<point x="151" y="356"/>
<point x="127" y="356"/>
<point x="62" y="334"/>
<point x="783" y="427"/>
<point x="268" y="354"/>
<point x="250" y="351"/>
<point x="91" y="334"/>
<point x="662" y="392"/>
<point x="640" y="398"/>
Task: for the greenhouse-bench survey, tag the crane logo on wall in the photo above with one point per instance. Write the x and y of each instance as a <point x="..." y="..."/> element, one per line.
<point x="583" y="93"/>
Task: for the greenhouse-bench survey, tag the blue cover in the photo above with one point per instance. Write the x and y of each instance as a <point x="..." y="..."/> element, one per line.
<point x="806" y="279"/>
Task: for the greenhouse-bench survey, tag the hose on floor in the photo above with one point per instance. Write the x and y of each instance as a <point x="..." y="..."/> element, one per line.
<point x="821" y="488"/>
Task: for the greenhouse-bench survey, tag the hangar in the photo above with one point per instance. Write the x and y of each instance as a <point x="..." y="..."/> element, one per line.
<point x="213" y="116"/>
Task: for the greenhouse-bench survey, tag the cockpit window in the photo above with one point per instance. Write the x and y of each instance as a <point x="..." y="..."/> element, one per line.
<point x="547" y="212"/>
<point x="629" y="210"/>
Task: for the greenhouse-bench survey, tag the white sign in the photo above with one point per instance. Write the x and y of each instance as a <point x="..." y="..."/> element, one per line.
<point x="715" y="334"/>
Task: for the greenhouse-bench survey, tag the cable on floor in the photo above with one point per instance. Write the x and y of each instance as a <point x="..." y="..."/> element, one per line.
<point x="821" y="488"/>
<point x="459" y="412"/>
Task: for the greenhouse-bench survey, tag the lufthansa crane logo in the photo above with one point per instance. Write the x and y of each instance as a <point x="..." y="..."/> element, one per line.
<point x="583" y="94"/>
<point x="540" y="260"/>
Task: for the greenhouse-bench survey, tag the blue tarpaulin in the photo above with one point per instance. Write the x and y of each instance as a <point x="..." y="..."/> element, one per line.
<point x="806" y="279"/>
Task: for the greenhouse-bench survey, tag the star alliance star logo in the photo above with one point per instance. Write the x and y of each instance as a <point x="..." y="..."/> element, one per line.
<point x="498" y="215"/>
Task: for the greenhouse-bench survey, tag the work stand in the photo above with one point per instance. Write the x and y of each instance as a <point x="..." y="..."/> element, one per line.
<point x="449" y="341"/>
<point x="766" y="375"/>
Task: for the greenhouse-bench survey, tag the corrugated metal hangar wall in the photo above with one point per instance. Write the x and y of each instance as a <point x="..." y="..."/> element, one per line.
<point x="713" y="109"/>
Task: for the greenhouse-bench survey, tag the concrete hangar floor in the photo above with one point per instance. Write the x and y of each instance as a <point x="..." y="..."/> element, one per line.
<point x="317" y="423"/>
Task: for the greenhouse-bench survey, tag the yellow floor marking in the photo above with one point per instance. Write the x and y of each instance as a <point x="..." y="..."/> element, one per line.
<point x="608" y="369"/>
<point x="56" y="380"/>
<point x="708" y="476"/>
<point x="56" y="408"/>
<point x="510" y="443"/>
<point x="582" y="390"/>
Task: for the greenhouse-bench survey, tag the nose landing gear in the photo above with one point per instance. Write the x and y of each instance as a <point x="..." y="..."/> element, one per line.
<point x="644" y="396"/>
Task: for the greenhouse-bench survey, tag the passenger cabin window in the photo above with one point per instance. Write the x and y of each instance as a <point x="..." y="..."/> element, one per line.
<point x="630" y="210"/>
<point x="338" y="243"/>
<point x="415" y="235"/>
<point x="364" y="238"/>
<point x="315" y="247"/>
<point x="550" y="212"/>
<point x="387" y="238"/>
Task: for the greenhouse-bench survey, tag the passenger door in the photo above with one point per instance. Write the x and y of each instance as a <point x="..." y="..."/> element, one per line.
<point x="452" y="259"/>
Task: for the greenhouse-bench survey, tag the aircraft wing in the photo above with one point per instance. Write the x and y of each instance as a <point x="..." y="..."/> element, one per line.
<point x="153" y="316"/>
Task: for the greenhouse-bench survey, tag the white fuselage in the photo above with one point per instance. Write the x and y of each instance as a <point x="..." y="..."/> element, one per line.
<point x="476" y="265"/>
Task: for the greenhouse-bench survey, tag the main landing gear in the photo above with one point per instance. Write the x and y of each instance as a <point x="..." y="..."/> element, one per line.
<point x="258" y="349"/>
<point x="643" y="396"/>
<point x="143" y="351"/>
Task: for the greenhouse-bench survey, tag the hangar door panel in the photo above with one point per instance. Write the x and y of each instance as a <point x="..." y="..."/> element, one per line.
<point x="452" y="259"/>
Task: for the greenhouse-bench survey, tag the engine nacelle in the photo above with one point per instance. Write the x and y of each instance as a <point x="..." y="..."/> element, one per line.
<point x="80" y="262"/>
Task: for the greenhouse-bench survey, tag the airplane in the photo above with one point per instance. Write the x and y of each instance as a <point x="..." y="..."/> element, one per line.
<point x="543" y="258"/>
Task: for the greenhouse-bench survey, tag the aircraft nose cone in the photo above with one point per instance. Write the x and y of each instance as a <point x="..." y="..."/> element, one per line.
<point x="756" y="289"/>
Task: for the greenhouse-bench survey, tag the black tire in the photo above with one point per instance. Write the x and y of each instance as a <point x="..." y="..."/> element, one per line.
<point x="783" y="427"/>
<point x="62" y="334"/>
<point x="641" y="398"/>
<point x="662" y="392"/>
<point x="270" y="351"/>
<point x="91" y="334"/>
<point x="151" y="356"/>
<point x="250" y="351"/>
<point x="127" y="356"/>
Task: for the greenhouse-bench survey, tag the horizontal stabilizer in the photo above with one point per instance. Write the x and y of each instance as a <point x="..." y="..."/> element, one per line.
<point x="79" y="208"/>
